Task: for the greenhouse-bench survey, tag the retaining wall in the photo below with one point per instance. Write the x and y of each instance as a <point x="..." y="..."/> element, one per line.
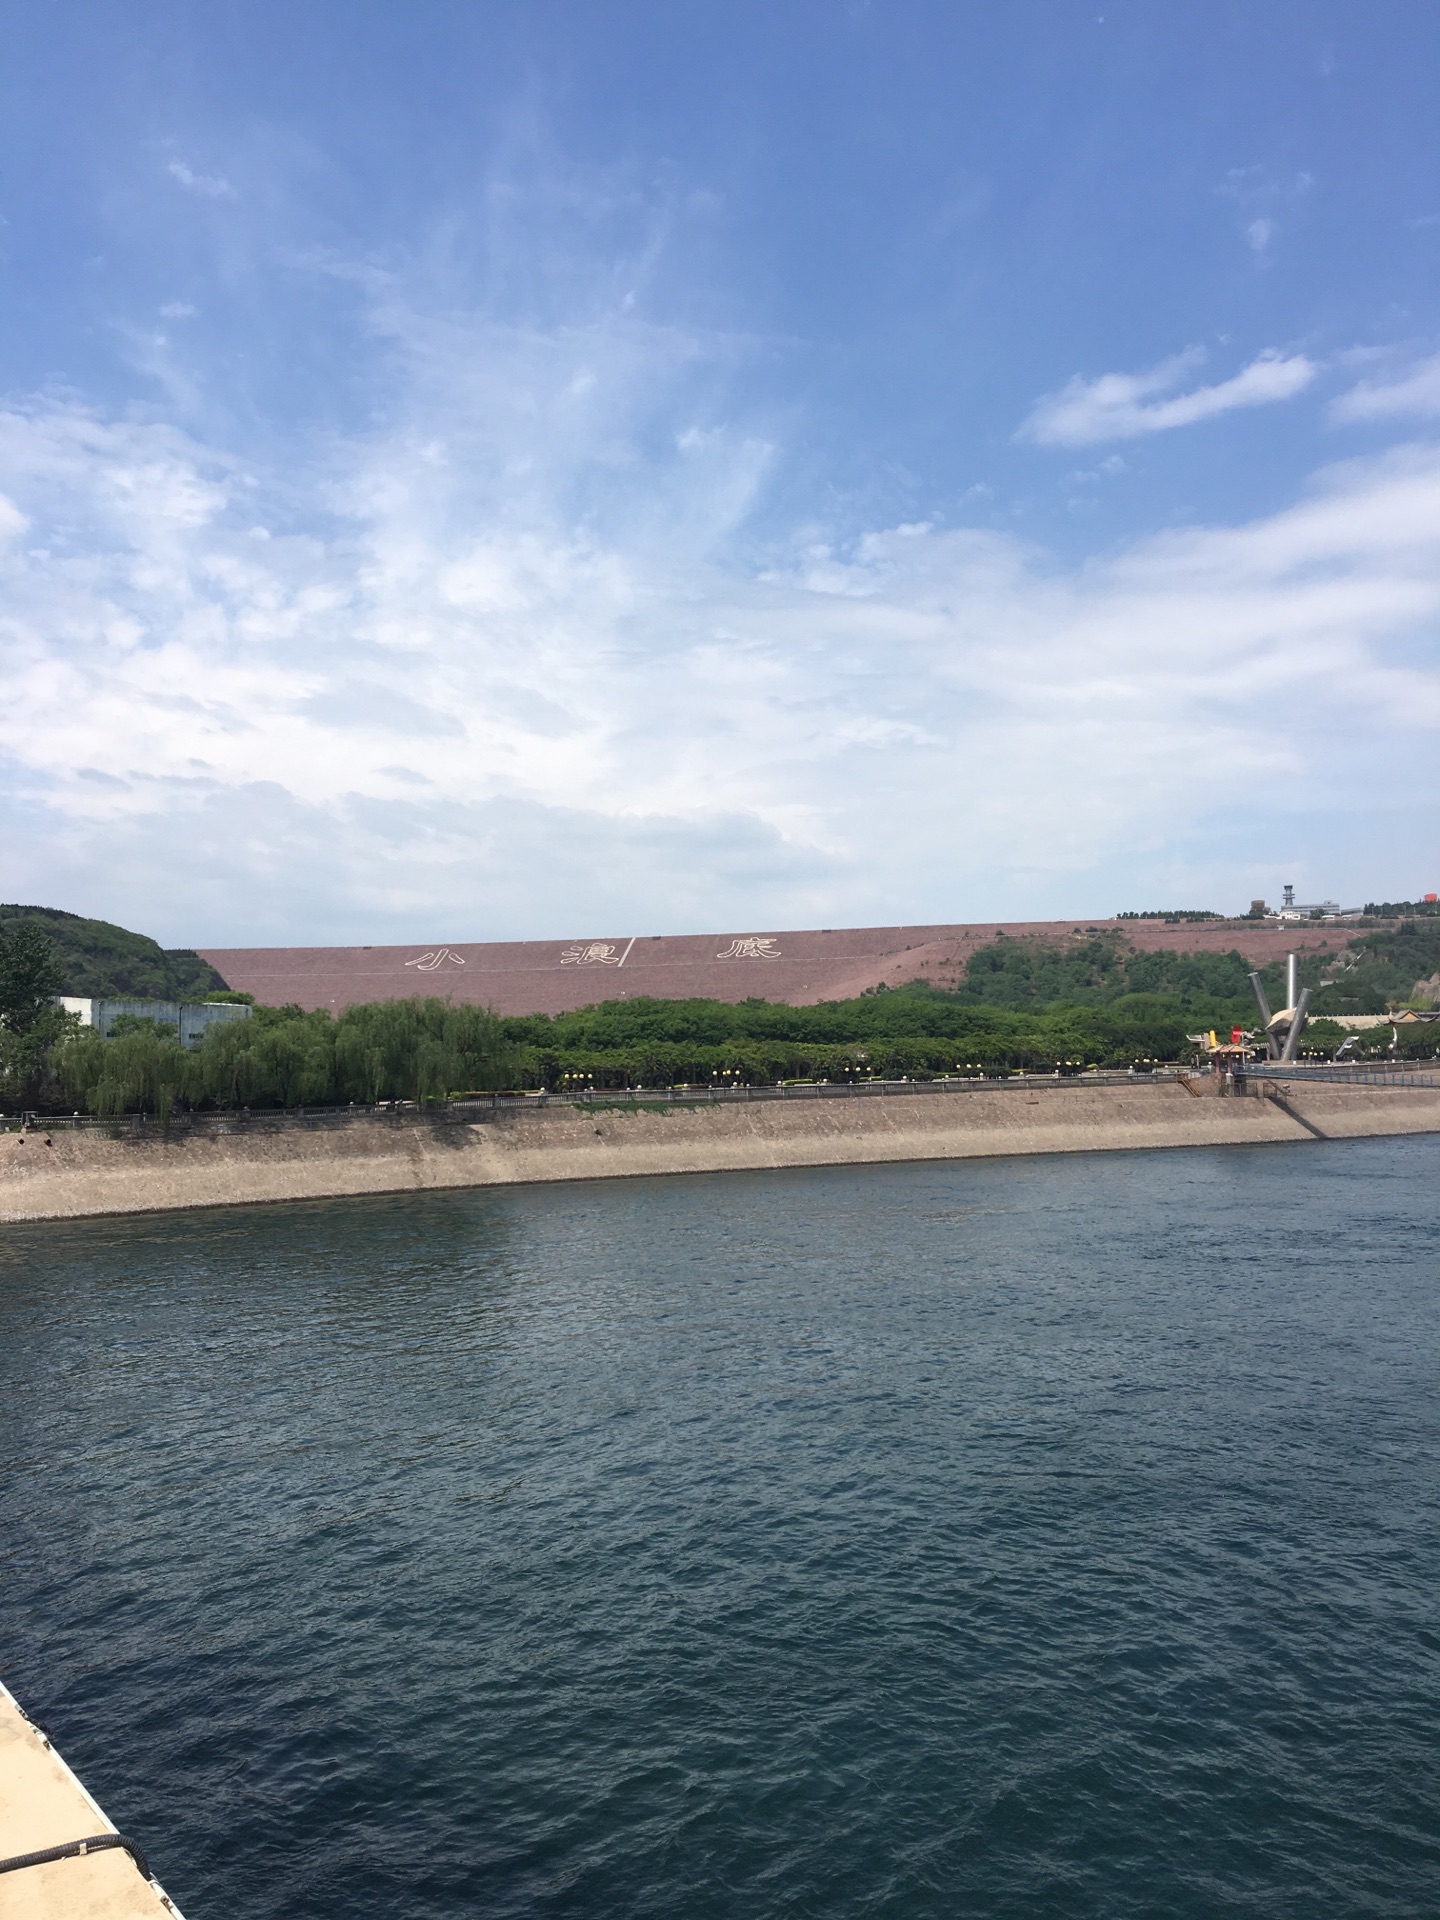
<point x="69" y="1174"/>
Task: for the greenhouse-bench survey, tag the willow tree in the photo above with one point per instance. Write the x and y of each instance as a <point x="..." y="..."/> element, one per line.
<point x="143" y="1071"/>
<point x="419" y="1050"/>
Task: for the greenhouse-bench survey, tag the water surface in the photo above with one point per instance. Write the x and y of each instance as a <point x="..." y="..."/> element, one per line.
<point x="1047" y="1537"/>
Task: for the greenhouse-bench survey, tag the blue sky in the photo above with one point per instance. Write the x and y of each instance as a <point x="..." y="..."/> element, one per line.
<point x="483" y="471"/>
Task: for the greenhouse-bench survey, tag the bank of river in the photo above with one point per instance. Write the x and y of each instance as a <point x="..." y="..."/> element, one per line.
<point x="68" y="1175"/>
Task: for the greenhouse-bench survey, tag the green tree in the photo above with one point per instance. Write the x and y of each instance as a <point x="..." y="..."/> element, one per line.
<point x="31" y="1025"/>
<point x="30" y="977"/>
<point x="143" y="1071"/>
<point x="420" y="1050"/>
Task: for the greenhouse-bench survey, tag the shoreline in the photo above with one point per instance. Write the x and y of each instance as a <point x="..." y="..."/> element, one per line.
<point x="69" y="1175"/>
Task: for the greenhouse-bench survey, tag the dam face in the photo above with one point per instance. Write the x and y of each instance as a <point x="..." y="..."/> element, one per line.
<point x="798" y="968"/>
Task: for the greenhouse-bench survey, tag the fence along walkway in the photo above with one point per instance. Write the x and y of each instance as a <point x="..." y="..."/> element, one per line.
<point x="1368" y="1075"/>
<point x="465" y="1112"/>
<point x="484" y="1106"/>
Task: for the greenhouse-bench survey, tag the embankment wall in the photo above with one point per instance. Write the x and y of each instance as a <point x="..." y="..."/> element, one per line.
<point x="65" y="1175"/>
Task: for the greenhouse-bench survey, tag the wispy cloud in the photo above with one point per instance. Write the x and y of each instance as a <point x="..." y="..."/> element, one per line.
<point x="12" y="522"/>
<point x="1258" y="235"/>
<point x="524" y="651"/>
<point x="1123" y="406"/>
<point x="522" y="682"/>
<point x="213" y="186"/>
<point x="1415" y="392"/>
<point x="1260" y="194"/>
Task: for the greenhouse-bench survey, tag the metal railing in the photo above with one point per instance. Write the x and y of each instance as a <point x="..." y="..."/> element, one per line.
<point x="484" y="1107"/>
<point x="1368" y="1074"/>
<point x="855" y="1089"/>
<point x="463" y="1112"/>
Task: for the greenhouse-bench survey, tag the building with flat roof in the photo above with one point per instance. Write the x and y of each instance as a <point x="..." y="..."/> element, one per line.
<point x="191" y="1020"/>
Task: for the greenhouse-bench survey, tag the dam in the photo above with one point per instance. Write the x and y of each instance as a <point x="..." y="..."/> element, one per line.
<point x="800" y="968"/>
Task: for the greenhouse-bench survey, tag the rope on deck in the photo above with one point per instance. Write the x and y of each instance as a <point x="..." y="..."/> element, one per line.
<point x="73" y="1849"/>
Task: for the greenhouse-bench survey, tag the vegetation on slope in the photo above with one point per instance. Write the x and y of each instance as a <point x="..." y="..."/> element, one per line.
<point x="1021" y="1004"/>
<point x="101" y="961"/>
<point x="1396" y="966"/>
<point x="1099" y="969"/>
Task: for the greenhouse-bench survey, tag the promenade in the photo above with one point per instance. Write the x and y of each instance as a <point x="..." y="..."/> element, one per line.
<point x="70" y="1172"/>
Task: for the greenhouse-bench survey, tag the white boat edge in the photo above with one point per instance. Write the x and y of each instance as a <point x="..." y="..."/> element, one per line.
<point x="38" y="1739"/>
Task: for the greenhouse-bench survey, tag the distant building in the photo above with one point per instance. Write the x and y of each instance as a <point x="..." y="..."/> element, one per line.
<point x="1293" y="909"/>
<point x="191" y="1021"/>
<point x="1323" y="909"/>
<point x="1362" y="1022"/>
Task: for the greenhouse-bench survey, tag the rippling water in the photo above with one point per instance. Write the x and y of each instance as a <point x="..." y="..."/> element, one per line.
<point x="1052" y="1537"/>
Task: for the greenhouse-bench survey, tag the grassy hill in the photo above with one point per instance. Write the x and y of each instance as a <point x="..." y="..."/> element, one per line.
<point x="104" y="961"/>
<point x="1386" y="968"/>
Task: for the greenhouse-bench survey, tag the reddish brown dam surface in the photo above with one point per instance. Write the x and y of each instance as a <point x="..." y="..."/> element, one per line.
<point x="799" y="968"/>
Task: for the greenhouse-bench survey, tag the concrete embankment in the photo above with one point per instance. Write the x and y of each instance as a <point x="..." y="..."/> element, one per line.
<point x="66" y="1175"/>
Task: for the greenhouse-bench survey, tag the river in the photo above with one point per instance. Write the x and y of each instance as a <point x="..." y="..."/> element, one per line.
<point x="1056" y="1537"/>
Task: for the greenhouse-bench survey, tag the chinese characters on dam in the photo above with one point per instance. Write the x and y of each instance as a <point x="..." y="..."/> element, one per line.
<point x="800" y="966"/>
<point x="605" y="953"/>
<point x="751" y="948"/>
<point x="598" y="953"/>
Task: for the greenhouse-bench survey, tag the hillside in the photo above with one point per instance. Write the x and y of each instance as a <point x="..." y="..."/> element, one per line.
<point x="105" y="961"/>
<point x="1386" y="968"/>
<point x="800" y="966"/>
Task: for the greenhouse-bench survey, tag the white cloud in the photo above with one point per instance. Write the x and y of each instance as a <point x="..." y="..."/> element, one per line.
<point x="213" y="186"/>
<point x="12" y="521"/>
<point x="1415" y="393"/>
<point x="1122" y="406"/>
<point x="520" y="681"/>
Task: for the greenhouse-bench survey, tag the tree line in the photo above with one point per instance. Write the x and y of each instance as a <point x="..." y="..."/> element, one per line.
<point x="420" y="1050"/>
<point x="1019" y="1005"/>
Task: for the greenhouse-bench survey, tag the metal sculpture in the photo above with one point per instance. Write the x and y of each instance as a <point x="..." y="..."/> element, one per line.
<point x="1283" y="1029"/>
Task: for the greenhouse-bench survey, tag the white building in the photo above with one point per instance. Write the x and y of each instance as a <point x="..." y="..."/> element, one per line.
<point x="190" y="1020"/>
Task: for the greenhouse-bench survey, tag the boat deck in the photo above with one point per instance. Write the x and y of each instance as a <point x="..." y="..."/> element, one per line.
<point x="43" y="1805"/>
